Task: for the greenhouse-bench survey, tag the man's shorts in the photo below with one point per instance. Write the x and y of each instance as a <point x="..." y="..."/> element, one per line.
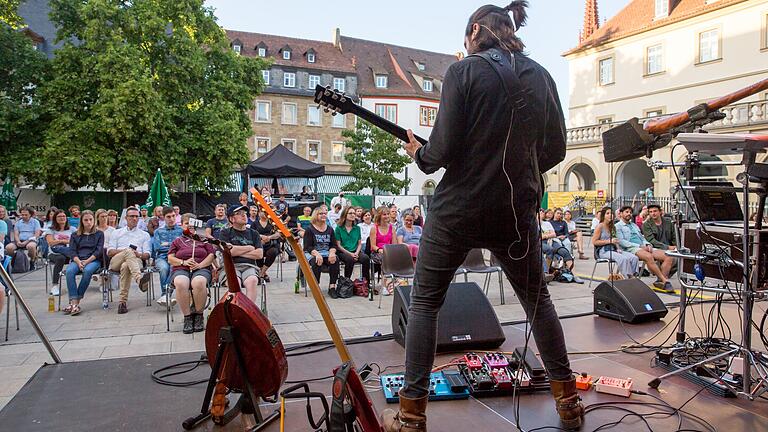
<point x="244" y="271"/>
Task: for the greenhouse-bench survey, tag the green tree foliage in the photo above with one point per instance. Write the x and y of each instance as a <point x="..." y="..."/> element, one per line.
<point x="373" y="159"/>
<point x="141" y="85"/>
<point x="22" y="120"/>
<point x="9" y="13"/>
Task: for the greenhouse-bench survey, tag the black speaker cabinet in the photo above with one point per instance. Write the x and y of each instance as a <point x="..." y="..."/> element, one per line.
<point x="630" y="301"/>
<point x="467" y="320"/>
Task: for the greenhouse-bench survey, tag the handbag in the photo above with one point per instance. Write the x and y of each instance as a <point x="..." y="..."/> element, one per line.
<point x="361" y="287"/>
<point x="345" y="288"/>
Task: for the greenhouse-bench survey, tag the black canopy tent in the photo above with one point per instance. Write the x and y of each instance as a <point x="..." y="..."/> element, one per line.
<point x="281" y="162"/>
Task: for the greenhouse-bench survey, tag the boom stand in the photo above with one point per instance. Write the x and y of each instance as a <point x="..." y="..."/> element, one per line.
<point x="247" y="404"/>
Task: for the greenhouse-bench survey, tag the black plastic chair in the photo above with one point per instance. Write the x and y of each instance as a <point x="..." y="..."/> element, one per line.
<point x="7" y="265"/>
<point x="396" y="263"/>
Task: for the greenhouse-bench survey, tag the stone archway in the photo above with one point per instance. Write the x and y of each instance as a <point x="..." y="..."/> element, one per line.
<point x="579" y="177"/>
<point x="632" y="177"/>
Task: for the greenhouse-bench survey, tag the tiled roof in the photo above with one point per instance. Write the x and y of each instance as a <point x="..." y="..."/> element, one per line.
<point x="639" y="16"/>
<point x="398" y="63"/>
<point x="327" y="57"/>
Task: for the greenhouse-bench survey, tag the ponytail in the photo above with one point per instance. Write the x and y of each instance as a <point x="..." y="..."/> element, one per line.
<point x="519" y="15"/>
<point x="497" y="28"/>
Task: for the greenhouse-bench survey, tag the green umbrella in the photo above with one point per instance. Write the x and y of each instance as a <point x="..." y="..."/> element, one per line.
<point x="158" y="193"/>
<point x="7" y="197"/>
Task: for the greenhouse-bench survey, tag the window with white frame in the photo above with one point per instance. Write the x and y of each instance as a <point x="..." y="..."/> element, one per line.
<point x="420" y="66"/>
<point x="313" y="151"/>
<point x="290" y="111"/>
<point x="265" y="76"/>
<point x="654" y="59"/>
<point x="237" y="48"/>
<point x="653" y="112"/>
<point x="286" y="54"/>
<point x="427" y="116"/>
<point x="262" y="52"/>
<point x="388" y="111"/>
<point x="313" y="115"/>
<point x="314" y="81"/>
<point x="427" y="85"/>
<point x="605" y="67"/>
<point x="381" y="81"/>
<point x="289" y="143"/>
<point x="339" y="121"/>
<point x="662" y="8"/>
<point x="310" y="58"/>
<point x="765" y="31"/>
<point x="709" y="45"/>
<point x="339" y="84"/>
<point x="263" y="111"/>
<point x="262" y="145"/>
<point x="289" y="79"/>
<point x="337" y="152"/>
<point x="605" y="119"/>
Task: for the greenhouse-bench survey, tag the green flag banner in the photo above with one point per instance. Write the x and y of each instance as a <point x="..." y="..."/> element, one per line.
<point x="7" y="197"/>
<point x="158" y="193"/>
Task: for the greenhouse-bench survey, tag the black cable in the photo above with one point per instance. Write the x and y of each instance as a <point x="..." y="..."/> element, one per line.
<point x="160" y="379"/>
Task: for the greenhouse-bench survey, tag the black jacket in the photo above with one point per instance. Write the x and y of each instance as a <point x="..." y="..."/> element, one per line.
<point x="474" y="197"/>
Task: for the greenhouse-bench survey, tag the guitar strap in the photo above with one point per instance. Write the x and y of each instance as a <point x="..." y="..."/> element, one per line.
<point x="337" y="421"/>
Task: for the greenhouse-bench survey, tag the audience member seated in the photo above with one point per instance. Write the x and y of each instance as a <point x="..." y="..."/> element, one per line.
<point x="382" y="233"/>
<point x="410" y="234"/>
<point x="128" y="247"/>
<point x="26" y="231"/>
<point x="306" y="194"/>
<point x="266" y="194"/>
<point x="595" y="221"/>
<point x="144" y="219"/>
<point x="102" y="224"/>
<point x="642" y="216"/>
<point x="87" y="248"/>
<point x="418" y="219"/>
<point x="365" y="226"/>
<point x="395" y="218"/>
<point x="632" y="241"/>
<point x="349" y="243"/>
<point x="304" y="220"/>
<point x="334" y="214"/>
<point x="177" y="210"/>
<point x="358" y="214"/>
<point x="156" y="221"/>
<point x="549" y="215"/>
<point x="3" y="236"/>
<point x="74" y="216"/>
<point x="552" y="247"/>
<point x="270" y="242"/>
<point x="281" y="208"/>
<point x="112" y="218"/>
<point x="192" y="265"/>
<point x="320" y="248"/>
<point x="574" y="235"/>
<point x="48" y="219"/>
<point x="605" y="239"/>
<point x="561" y="229"/>
<point x="161" y="243"/>
<point x="214" y="225"/>
<point x="58" y="237"/>
<point x="9" y="227"/>
<point x="659" y="230"/>
<point x="246" y="249"/>
<point x="243" y="199"/>
<point x="253" y="215"/>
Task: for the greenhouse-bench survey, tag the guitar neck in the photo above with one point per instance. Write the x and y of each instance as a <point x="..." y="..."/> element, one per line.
<point x="384" y="124"/>
<point x="317" y="294"/>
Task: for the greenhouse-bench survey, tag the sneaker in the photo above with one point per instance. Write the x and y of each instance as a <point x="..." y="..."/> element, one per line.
<point x="332" y="293"/>
<point x="122" y="308"/>
<point x="162" y="300"/>
<point x="144" y="282"/>
<point x="658" y="284"/>
<point x="55" y="290"/>
<point x="188" y="324"/>
<point x="668" y="288"/>
<point x="385" y="291"/>
<point x="199" y="322"/>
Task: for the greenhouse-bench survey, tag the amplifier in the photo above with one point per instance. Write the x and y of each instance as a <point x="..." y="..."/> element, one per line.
<point x="729" y="238"/>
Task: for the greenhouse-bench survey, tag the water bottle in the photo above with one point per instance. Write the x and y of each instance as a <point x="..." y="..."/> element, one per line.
<point x="105" y="305"/>
<point x="296" y="286"/>
<point x="50" y="303"/>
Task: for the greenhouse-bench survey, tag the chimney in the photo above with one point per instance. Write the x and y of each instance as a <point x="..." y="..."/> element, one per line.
<point x="591" y="20"/>
<point x="336" y="38"/>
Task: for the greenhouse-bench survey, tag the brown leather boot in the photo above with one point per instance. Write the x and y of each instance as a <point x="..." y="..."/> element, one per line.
<point x="568" y="403"/>
<point x="410" y="418"/>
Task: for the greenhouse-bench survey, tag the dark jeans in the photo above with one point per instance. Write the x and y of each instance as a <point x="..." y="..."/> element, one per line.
<point x="59" y="259"/>
<point x="270" y="254"/>
<point x="333" y="269"/>
<point x="349" y="264"/>
<point x="440" y="253"/>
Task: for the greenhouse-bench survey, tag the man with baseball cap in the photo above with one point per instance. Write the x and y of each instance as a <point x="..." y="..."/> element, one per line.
<point x="246" y="248"/>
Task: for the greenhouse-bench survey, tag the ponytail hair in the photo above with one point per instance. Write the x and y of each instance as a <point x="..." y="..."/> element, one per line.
<point x="497" y="28"/>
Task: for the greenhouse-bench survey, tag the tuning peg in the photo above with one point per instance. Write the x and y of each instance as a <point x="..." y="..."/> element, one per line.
<point x="335" y="96"/>
<point x="333" y="113"/>
<point x="326" y="110"/>
<point x="343" y="99"/>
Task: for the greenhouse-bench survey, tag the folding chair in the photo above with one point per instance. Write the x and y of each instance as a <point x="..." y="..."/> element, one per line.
<point x="262" y="283"/>
<point x="8" y="292"/>
<point x="397" y="263"/>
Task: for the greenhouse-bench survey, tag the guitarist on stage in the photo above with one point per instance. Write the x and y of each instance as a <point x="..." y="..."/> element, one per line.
<point x="494" y="148"/>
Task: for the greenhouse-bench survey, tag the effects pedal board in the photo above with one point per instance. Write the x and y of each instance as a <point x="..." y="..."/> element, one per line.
<point x="497" y="374"/>
<point x="614" y="386"/>
<point x="444" y="385"/>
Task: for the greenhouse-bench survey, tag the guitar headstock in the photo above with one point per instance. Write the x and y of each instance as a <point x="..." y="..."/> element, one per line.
<point x="272" y="216"/>
<point x="333" y="100"/>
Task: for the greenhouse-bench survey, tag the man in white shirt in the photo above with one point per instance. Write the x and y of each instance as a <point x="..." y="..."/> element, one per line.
<point x="334" y="214"/>
<point x="128" y="246"/>
<point x="339" y="200"/>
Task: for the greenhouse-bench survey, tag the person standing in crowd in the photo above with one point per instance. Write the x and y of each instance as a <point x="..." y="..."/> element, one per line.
<point x="574" y="235"/>
<point x="246" y="249"/>
<point x="605" y="238"/>
<point x="632" y="241"/>
<point x="192" y="263"/>
<point x="87" y="248"/>
<point x="382" y="234"/>
<point x="128" y="248"/>
<point x="658" y="230"/>
<point x="335" y="214"/>
<point x="214" y="225"/>
<point x="270" y="242"/>
<point x="350" y="245"/>
<point x="74" y="216"/>
<point x="26" y="232"/>
<point x="161" y="244"/>
<point x="305" y="194"/>
<point x="102" y="224"/>
<point x="490" y="147"/>
<point x="339" y="199"/>
<point x="304" y="220"/>
<point x="418" y="219"/>
<point x="320" y="248"/>
<point x="156" y="221"/>
<point x="58" y="237"/>
<point x="410" y="235"/>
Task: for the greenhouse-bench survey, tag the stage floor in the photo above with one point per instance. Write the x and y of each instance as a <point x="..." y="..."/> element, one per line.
<point x="119" y="394"/>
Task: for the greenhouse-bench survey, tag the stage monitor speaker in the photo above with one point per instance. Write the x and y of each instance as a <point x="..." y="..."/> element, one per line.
<point x="466" y="321"/>
<point x="630" y="301"/>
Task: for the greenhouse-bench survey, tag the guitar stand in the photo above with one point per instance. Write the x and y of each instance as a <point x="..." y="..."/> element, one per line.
<point x="246" y="404"/>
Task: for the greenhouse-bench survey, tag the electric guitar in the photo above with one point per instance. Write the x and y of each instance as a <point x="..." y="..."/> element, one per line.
<point x="354" y="391"/>
<point x="339" y="103"/>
